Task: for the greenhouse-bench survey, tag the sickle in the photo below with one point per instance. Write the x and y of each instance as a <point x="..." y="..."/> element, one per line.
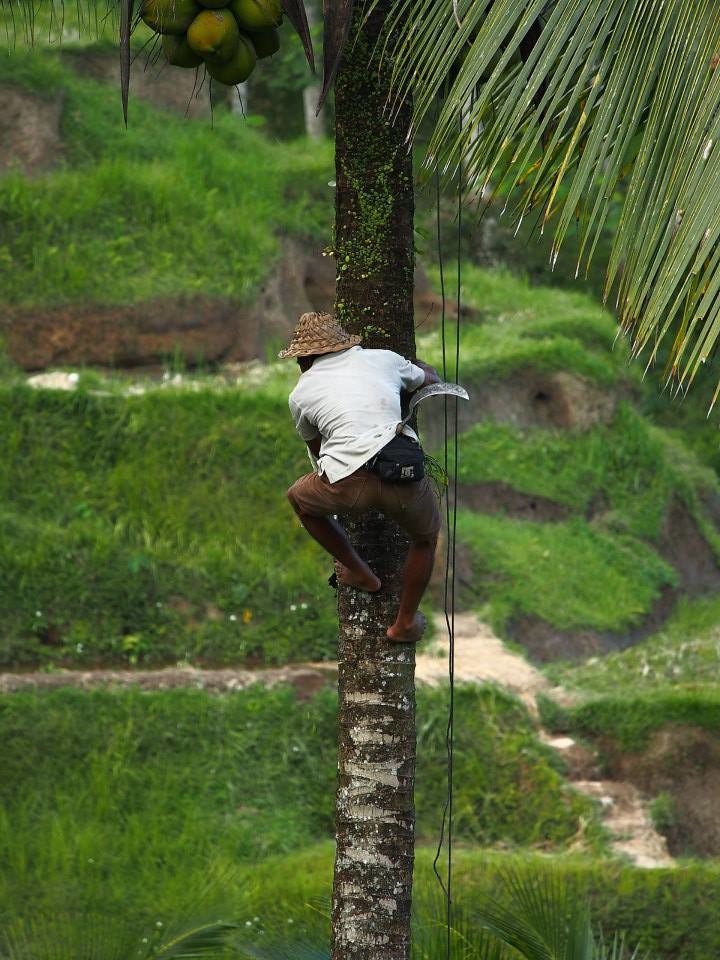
<point x="433" y="390"/>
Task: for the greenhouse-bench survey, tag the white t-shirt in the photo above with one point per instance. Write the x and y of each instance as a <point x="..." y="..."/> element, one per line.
<point x="352" y="399"/>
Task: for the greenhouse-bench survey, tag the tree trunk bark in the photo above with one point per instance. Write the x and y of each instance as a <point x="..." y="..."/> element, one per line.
<point x="375" y="816"/>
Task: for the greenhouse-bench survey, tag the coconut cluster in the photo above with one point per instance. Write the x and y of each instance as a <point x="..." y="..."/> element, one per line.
<point x="229" y="38"/>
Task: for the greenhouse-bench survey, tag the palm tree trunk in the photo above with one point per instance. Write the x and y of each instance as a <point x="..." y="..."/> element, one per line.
<point x="375" y="815"/>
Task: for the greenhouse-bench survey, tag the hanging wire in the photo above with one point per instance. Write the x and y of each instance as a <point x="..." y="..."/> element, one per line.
<point x="451" y="524"/>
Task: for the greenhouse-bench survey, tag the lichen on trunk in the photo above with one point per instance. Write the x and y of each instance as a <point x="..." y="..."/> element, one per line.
<point x="375" y="815"/>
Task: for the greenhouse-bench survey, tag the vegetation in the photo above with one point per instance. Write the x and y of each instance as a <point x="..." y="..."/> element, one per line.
<point x="602" y="567"/>
<point x="166" y="207"/>
<point x="555" y="570"/>
<point x="630" y="720"/>
<point x="523" y="326"/>
<point x="684" y="654"/>
<point x="638" y="94"/>
<point x="154" y="528"/>
<point x="133" y="803"/>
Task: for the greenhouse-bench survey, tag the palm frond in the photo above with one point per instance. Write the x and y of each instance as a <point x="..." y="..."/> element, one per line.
<point x="295" y="12"/>
<point x="204" y="940"/>
<point x="337" y="19"/>
<point x="547" y="918"/>
<point x="557" y="104"/>
<point x="94" y="937"/>
<point x="64" y="937"/>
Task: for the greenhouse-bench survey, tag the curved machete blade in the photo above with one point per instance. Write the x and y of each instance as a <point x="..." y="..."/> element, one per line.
<point x="295" y="11"/>
<point x="433" y="390"/>
<point x="337" y="18"/>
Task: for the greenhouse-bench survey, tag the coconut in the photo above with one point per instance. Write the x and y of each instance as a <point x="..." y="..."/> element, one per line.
<point x="236" y="70"/>
<point x="214" y="4"/>
<point x="169" y="16"/>
<point x="266" y="42"/>
<point x="214" y="35"/>
<point x="257" y="14"/>
<point x="177" y="52"/>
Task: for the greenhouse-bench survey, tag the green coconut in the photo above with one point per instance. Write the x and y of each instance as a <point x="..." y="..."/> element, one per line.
<point x="177" y="52"/>
<point x="213" y="4"/>
<point x="257" y="14"/>
<point x="169" y="16"/>
<point x="266" y="42"/>
<point x="236" y="70"/>
<point x="214" y="35"/>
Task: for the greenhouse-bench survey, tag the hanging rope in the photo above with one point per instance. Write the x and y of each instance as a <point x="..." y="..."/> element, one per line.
<point x="451" y="524"/>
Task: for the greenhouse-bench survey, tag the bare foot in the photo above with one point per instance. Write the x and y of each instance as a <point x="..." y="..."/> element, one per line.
<point x="361" y="580"/>
<point x="409" y="634"/>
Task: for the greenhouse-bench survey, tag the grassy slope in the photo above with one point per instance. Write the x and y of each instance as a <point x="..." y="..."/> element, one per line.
<point x="684" y="654"/>
<point x="670" y="913"/>
<point x="163" y="208"/>
<point x="602" y="573"/>
<point x="154" y="528"/>
<point x="125" y="801"/>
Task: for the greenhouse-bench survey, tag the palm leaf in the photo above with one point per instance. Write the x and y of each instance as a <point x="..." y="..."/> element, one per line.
<point x="337" y="19"/>
<point x="94" y="937"/>
<point x="561" y="102"/>
<point x="295" y="11"/>
<point x="203" y="940"/>
<point x="547" y="918"/>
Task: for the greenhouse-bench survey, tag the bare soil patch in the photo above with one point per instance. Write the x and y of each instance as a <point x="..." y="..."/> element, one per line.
<point x="684" y="763"/>
<point x="527" y="398"/>
<point x="496" y="497"/>
<point x="177" y="90"/>
<point x="29" y="131"/>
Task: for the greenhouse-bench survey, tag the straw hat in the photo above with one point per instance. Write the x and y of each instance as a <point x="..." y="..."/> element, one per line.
<point x="318" y="333"/>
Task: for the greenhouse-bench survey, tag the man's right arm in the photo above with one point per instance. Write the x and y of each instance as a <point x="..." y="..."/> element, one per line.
<point x="431" y="374"/>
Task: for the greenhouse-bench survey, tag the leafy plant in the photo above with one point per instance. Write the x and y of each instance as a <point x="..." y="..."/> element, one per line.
<point x="556" y="104"/>
<point x="106" y="938"/>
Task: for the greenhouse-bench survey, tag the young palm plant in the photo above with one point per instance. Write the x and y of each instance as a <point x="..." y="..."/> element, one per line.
<point x="103" y="938"/>
<point x="536" y="918"/>
<point x="558" y="105"/>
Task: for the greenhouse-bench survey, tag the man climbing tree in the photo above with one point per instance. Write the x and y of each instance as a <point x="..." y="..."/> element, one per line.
<point x="347" y="408"/>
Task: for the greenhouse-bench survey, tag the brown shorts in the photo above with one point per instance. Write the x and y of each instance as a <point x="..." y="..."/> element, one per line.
<point x="414" y="506"/>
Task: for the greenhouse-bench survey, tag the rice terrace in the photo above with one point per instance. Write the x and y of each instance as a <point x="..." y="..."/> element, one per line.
<point x="359" y="480"/>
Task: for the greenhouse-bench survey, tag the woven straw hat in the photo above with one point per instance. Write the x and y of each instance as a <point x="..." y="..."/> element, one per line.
<point x="318" y="333"/>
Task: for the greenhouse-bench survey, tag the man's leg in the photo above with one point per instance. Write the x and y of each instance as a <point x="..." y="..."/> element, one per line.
<point x="415" y="507"/>
<point x="331" y="537"/>
<point x="409" y="624"/>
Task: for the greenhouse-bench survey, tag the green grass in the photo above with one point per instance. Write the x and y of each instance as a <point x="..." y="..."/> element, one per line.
<point x="669" y="913"/>
<point x="163" y="208"/>
<point x="569" y="574"/>
<point x="627" y="463"/>
<point x="285" y="900"/>
<point x="529" y="327"/>
<point x="130" y="802"/>
<point x="631" y="717"/>
<point x="685" y="653"/>
<point x="155" y="528"/>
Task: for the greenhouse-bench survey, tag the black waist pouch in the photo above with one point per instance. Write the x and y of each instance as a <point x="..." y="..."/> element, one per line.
<point x="401" y="460"/>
